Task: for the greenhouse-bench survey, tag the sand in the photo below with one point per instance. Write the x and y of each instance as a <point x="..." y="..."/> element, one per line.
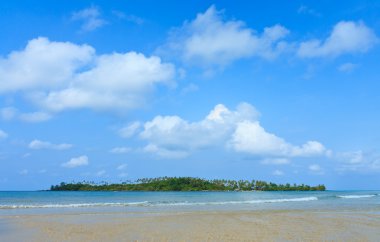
<point x="196" y="226"/>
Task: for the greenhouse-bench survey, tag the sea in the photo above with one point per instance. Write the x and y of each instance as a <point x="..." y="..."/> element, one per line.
<point x="40" y="202"/>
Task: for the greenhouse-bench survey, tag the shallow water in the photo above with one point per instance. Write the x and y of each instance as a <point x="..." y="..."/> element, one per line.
<point x="13" y="203"/>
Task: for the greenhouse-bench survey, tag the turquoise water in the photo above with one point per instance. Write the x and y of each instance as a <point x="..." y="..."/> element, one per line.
<point x="45" y="201"/>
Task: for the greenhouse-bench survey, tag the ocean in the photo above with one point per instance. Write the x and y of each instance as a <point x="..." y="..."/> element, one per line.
<point x="37" y="202"/>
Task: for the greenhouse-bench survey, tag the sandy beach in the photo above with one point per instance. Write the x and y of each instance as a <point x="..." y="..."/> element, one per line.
<point x="195" y="226"/>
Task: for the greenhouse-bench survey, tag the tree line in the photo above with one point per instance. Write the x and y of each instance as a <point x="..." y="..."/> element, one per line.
<point x="184" y="184"/>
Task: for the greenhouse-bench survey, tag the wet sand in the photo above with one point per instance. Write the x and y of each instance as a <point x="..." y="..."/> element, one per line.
<point x="195" y="226"/>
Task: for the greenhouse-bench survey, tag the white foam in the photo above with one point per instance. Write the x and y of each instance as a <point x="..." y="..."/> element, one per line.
<point x="356" y="196"/>
<point x="72" y="205"/>
<point x="302" y="199"/>
<point x="146" y="203"/>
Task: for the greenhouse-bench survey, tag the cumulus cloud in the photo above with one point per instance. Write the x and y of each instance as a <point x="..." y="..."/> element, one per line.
<point x="57" y="76"/>
<point x="90" y="18"/>
<point x="239" y="130"/>
<point x="76" y="161"/>
<point x="252" y="138"/>
<point x="3" y="135"/>
<point x="38" y="144"/>
<point x="347" y="37"/>
<point x="210" y="40"/>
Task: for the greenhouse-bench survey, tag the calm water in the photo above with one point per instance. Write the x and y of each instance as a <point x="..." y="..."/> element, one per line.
<point x="51" y="202"/>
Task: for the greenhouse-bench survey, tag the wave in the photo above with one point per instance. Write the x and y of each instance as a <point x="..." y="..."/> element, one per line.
<point x="357" y="196"/>
<point x="302" y="199"/>
<point x="153" y="204"/>
<point x="72" y="205"/>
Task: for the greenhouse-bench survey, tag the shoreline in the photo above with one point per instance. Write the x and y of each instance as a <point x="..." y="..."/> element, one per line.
<point x="269" y="225"/>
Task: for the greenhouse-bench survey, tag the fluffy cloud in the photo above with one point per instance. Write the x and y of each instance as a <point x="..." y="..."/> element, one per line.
<point x="61" y="75"/>
<point x="3" y="135"/>
<point x="210" y="40"/>
<point x="76" y="161"/>
<point x="346" y="37"/>
<point x="174" y="137"/>
<point x="251" y="137"/>
<point x="347" y="67"/>
<point x="90" y="17"/>
<point x="43" y="64"/>
<point x="38" y="144"/>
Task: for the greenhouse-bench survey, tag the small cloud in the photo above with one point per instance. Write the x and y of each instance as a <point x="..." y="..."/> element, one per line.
<point x="278" y="173"/>
<point x="3" y="135"/>
<point x="123" y="174"/>
<point x="9" y="113"/>
<point x="190" y="88"/>
<point x="76" y="161"/>
<point x="129" y="130"/>
<point x="26" y="155"/>
<point x="90" y="17"/>
<point x="346" y="37"/>
<point x="120" y="150"/>
<point x="34" y="117"/>
<point x="24" y="172"/>
<point x="316" y="169"/>
<point x="275" y="161"/>
<point x="347" y="67"/>
<point x="303" y="9"/>
<point x="122" y="167"/>
<point x="128" y="17"/>
<point x="38" y="144"/>
<point x="42" y="171"/>
<point x="100" y="173"/>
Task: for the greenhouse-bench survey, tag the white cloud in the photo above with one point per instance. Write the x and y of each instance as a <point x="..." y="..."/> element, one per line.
<point x="275" y="161"/>
<point x="252" y="138"/>
<point x="120" y="150"/>
<point x="358" y="161"/>
<point x="90" y="17"/>
<point x="303" y="9"/>
<point x="61" y="75"/>
<point x="43" y="64"/>
<point x="210" y="40"/>
<point x="3" y="135"/>
<point x="347" y="37"/>
<point x="278" y="173"/>
<point x="316" y="169"/>
<point x="121" y="167"/>
<point x="10" y="113"/>
<point x="76" y="161"/>
<point x="129" y="130"/>
<point x="35" y="117"/>
<point x="100" y="173"/>
<point x="347" y="67"/>
<point x="174" y="137"/>
<point x="38" y="144"/>
<point x="24" y="172"/>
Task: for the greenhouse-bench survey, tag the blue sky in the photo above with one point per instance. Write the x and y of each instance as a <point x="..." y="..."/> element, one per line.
<point x="284" y="92"/>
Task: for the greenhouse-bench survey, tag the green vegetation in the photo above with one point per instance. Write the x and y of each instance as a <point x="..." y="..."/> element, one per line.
<point x="184" y="184"/>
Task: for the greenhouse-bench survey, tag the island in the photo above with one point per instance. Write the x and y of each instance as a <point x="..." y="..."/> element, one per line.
<point x="184" y="184"/>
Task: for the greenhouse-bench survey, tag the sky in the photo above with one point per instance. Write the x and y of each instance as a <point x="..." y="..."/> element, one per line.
<point x="119" y="90"/>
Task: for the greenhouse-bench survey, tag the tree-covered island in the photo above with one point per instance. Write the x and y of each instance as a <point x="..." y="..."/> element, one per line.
<point x="184" y="184"/>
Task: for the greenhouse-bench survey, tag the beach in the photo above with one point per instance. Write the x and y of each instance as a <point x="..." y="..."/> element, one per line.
<point x="279" y="225"/>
